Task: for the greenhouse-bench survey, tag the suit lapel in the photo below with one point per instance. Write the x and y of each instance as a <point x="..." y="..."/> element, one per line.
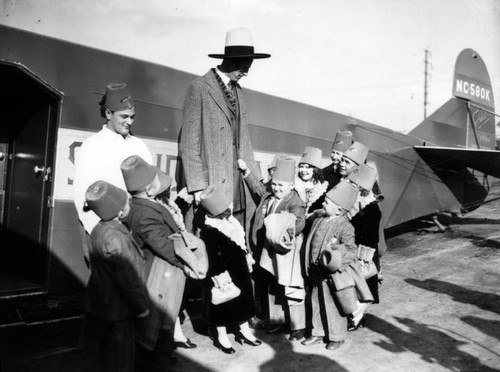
<point x="216" y="93"/>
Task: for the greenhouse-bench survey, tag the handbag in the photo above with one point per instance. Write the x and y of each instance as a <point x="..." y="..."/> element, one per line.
<point x="364" y="263"/>
<point x="224" y="289"/>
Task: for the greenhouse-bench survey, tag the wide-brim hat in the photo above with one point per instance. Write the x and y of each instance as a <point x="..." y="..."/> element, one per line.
<point x="344" y="194"/>
<point x="137" y="174"/>
<point x="364" y="176"/>
<point x="357" y="152"/>
<point x="117" y="97"/>
<point x="213" y="201"/>
<point x="165" y="181"/>
<point x="239" y="44"/>
<point x="285" y="170"/>
<point x="312" y="156"/>
<point x="105" y="199"/>
<point x="343" y="140"/>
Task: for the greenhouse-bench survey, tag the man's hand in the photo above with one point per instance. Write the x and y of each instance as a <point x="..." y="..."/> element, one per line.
<point x="243" y="167"/>
<point x="197" y="197"/>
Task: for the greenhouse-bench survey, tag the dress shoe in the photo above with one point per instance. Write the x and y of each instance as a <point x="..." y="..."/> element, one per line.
<point x="185" y="344"/>
<point x="274" y="329"/>
<point x="257" y="324"/>
<point x="297" y="335"/>
<point x="332" y="345"/>
<point x="313" y="340"/>
<point x="227" y="350"/>
<point x="242" y="339"/>
<point x="352" y="325"/>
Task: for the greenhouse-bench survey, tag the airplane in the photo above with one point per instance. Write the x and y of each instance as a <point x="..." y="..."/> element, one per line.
<point x="50" y="92"/>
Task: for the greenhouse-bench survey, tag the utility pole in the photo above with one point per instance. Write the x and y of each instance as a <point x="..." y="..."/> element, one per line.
<point x="426" y="74"/>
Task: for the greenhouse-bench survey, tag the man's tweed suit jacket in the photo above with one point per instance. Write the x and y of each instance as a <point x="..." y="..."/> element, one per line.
<point x="206" y="141"/>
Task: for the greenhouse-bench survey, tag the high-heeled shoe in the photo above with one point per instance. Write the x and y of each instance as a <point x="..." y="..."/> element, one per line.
<point x="227" y="350"/>
<point x="242" y="339"/>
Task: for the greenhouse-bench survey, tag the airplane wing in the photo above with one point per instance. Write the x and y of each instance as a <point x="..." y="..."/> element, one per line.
<point x="485" y="161"/>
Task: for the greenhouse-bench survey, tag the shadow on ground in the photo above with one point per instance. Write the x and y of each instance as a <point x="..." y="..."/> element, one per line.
<point x="433" y="345"/>
<point x="483" y="300"/>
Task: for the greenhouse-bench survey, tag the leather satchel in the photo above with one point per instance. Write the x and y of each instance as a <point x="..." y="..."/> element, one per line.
<point x="364" y="263"/>
<point x="224" y="289"/>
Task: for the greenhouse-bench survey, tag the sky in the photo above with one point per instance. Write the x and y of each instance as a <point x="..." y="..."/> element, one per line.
<point x="362" y="58"/>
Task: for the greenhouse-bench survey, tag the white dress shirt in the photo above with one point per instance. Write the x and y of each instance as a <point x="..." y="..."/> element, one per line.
<point x="99" y="158"/>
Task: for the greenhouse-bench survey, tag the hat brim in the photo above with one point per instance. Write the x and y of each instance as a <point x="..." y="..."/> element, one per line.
<point x="254" y="56"/>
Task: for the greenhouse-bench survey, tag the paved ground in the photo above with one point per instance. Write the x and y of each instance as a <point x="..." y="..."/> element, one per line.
<point x="439" y="311"/>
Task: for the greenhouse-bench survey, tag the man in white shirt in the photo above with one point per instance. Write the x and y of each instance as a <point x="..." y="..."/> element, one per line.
<point x="100" y="156"/>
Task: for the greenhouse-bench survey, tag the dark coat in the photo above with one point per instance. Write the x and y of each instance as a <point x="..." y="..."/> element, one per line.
<point x="366" y="226"/>
<point x="224" y="254"/>
<point x="116" y="289"/>
<point x="332" y="176"/>
<point x="151" y="225"/>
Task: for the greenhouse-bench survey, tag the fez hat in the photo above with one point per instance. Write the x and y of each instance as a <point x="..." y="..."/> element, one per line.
<point x="312" y="156"/>
<point x="344" y="194"/>
<point x="363" y="176"/>
<point x="117" y="97"/>
<point x="343" y="139"/>
<point x="137" y="174"/>
<point x="285" y="170"/>
<point x="277" y="225"/>
<point x="105" y="199"/>
<point x="165" y="181"/>
<point x="273" y="162"/>
<point x="213" y="201"/>
<point x="239" y="44"/>
<point x="357" y="152"/>
<point x="331" y="259"/>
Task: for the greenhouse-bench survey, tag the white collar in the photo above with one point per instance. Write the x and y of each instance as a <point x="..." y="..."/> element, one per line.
<point x="223" y="77"/>
<point x="110" y="133"/>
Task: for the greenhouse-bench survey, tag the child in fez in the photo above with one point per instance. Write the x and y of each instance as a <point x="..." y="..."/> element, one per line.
<point x="116" y="294"/>
<point x="286" y="291"/>
<point x="335" y="234"/>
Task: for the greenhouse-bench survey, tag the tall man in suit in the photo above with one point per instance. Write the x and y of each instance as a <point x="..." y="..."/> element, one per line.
<point x="215" y="129"/>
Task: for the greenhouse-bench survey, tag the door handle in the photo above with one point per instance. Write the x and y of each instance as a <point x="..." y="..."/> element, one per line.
<point x="2" y="156"/>
<point x="39" y="169"/>
<point x="45" y="171"/>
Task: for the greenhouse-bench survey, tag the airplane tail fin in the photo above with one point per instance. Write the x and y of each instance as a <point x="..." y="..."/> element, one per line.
<point x="468" y="119"/>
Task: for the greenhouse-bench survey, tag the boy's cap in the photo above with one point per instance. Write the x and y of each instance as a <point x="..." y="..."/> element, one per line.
<point x="285" y="170"/>
<point x="213" y="201"/>
<point x="312" y="156"/>
<point x="357" y="152"/>
<point x="342" y="141"/>
<point x="137" y="174"/>
<point x="364" y="176"/>
<point x="117" y="97"/>
<point x="344" y="194"/>
<point x="105" y="200"/>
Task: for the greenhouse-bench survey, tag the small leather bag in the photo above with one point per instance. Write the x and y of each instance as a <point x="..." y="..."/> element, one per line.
<point x="224" y="289"/>
<point x="364" y="263"/>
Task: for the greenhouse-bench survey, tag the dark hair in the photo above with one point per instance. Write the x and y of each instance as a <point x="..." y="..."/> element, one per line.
<point x="318" y="176"/>
<point x="164" y="196"/>
<point x="224" y="214"/>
